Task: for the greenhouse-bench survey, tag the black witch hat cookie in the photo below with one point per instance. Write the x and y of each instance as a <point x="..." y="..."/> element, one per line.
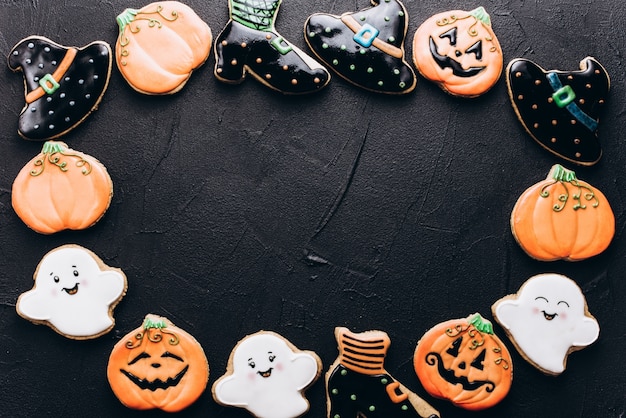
<point x="560" y="109"/>
<point x="366" y="47"/>
<point x="63" y="85"/>
<point x="250" y="44"/>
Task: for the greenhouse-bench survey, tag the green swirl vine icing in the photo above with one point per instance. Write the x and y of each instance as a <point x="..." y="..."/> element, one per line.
<point x="567" y="177"/>
<point x="53" y="153"/>
<point x="128" y="16"/>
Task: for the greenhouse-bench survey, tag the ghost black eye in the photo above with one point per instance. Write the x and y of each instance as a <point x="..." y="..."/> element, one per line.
<point x="251" y="364"/>
<point x="56" y="279"/>
<point x="75" y="273"/>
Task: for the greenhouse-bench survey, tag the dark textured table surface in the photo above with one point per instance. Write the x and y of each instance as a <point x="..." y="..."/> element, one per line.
<point x="237" y="209"/>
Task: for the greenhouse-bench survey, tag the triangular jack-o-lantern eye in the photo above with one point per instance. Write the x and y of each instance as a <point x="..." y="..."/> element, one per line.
<point x="451" y="35"/>
<point x="454" y="350"/>
<point x="476" y="49"/>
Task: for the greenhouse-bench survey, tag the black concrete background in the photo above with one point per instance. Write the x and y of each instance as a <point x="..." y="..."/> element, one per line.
<point x="238" y="209"/>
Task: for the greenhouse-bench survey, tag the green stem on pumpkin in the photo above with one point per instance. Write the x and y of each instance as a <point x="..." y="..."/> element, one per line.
<point x="125" y="18"/>
<point x="481" y="324"/>
<point x="560" y="173"/>
<point x="481" y="14"/>
<point x="52" y="147"/>
<point x="154" y="322"/>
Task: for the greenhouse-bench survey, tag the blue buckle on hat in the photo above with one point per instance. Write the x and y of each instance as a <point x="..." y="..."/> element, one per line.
<point x="366" y="35"/>
<point x="564" y="98"/>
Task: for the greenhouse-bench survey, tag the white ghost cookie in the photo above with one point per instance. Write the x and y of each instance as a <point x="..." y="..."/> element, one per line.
<point x="74" y="293"/>
<point x="547" y="320"/>
<point x="267" y="375"/>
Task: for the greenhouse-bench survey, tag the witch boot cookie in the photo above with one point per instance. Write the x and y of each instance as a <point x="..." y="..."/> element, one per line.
<point x="357" y="383"/>
<point x="63" y="85"/>
<point x="250" y="44"/>
<point x="366" y="47"/>
<point x="560" y="109"/>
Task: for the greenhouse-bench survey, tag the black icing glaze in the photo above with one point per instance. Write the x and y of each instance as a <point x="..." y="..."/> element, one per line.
<point x="367" y="67"/>
<point x="555" y="128"/>
<point x="80" y="88"/>
<point x="240" y="49"/>
<point x="156" y="383"/>
<point x="353" y="394"/>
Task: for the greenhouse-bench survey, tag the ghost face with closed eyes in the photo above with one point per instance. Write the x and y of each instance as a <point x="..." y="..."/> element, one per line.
<point x="546" y="320"/>
<point x="267" y="375"/>
<point x="74" y="293"/>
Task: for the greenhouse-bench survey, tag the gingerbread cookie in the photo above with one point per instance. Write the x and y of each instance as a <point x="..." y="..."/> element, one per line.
<point x="463" y="361"/>
<point x="74" y="293"/>
<point x="546" y="320"/>
<point x="562" y="218"/>
<point x="250" y="44"/>
<point x="158" y="366"/>
<point x="357" y="384"/>
<point x="561" y="109"/>
<point x="459" y="51"/>
<point x="61" y="189"/>
<point x="267" y="376"/>
<point x="160" y="45"/>
<point x="63" y="85"/>
<point x="366" y="47"/>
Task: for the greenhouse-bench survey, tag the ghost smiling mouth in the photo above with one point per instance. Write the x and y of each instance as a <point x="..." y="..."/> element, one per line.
<point x="267" y="373"/>
<point x="548" y="316"/>
<point x="71" y="291"/>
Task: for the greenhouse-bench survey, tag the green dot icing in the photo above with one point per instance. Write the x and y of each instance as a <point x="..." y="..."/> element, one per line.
<point x="311" y="34"/>
<point x="402" y="84"/>
<point x="352" y="67"/>
<point x="391" y="39"/>
<point x="370" y="70"/>
<point x="396" y="71"/>
<point x="384" y="381"/>
<point x="344" y="372"/>
<point x="325" y="45"/>
<point x="353" y="397"/>
<point x="401" y="13"/>
<point x="362" y="18"/>
<point x="335" y="392"/>
<point x="343" y="47"/>
<point x="335" y="62"/>
<point x="328" y="30"/>
<point x="380" y="83"/>
<point x="405" y="408"/>
<point x="372" y="408"/>
<point x="363" y="51"/>
<point x="387" y="19"/>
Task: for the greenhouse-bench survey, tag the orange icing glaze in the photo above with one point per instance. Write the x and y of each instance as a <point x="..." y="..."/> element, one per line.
<point x="569" y="233"/>
<point x="160" y="45"/>
<point x="458" y="51"/>
<point x="50" y="196"/>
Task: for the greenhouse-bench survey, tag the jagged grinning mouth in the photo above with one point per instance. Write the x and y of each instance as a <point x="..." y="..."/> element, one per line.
<point x="447" y="62"/>
<point x="548" y="316"/>
<point x="266" y="373"/>
<point x="71" y="291"/>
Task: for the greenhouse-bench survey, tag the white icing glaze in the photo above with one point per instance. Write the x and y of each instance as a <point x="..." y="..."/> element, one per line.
<point x="547" y="319"/>
<point x="279" y="393"/>
<point x="72" y="294"/>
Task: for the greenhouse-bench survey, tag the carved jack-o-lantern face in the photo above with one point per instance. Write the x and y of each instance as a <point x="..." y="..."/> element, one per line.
<point x="459" y="51"/>
<point x="158" y="366"/>
<point x="464" y="362"/>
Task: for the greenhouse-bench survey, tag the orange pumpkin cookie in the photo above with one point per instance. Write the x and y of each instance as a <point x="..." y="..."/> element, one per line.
<point x="463" y="361"/>
<point x="459" y="51"/>
<point x="160" y="45"/>
<point x="61" y="189"/>
<point x="158" y="366"/>
<point x="562" y="218"/>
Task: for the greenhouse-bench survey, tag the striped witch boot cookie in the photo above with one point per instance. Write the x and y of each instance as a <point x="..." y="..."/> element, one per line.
<point x="357" y="384"/>
<point x="250" y="44"/>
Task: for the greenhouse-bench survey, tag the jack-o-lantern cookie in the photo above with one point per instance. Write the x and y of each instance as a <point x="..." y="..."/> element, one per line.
<point x="365" y="47"/>
<point x="357" y="384"/>
<point x="463" y="361"/>
<point x="547" y="320"/>
<point x="561" y="109"/>
<point x="160" y="45"/>
<point x="562" y="218"/>
<point x="250" y="44"/>
<point x="74" y="293"/>
<point x="61" y="189"/>
<point x="267" y="375"/>
<point x="158" y="366"/>
<point x="459" y="51"/>
<point x="63" y="85"/>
